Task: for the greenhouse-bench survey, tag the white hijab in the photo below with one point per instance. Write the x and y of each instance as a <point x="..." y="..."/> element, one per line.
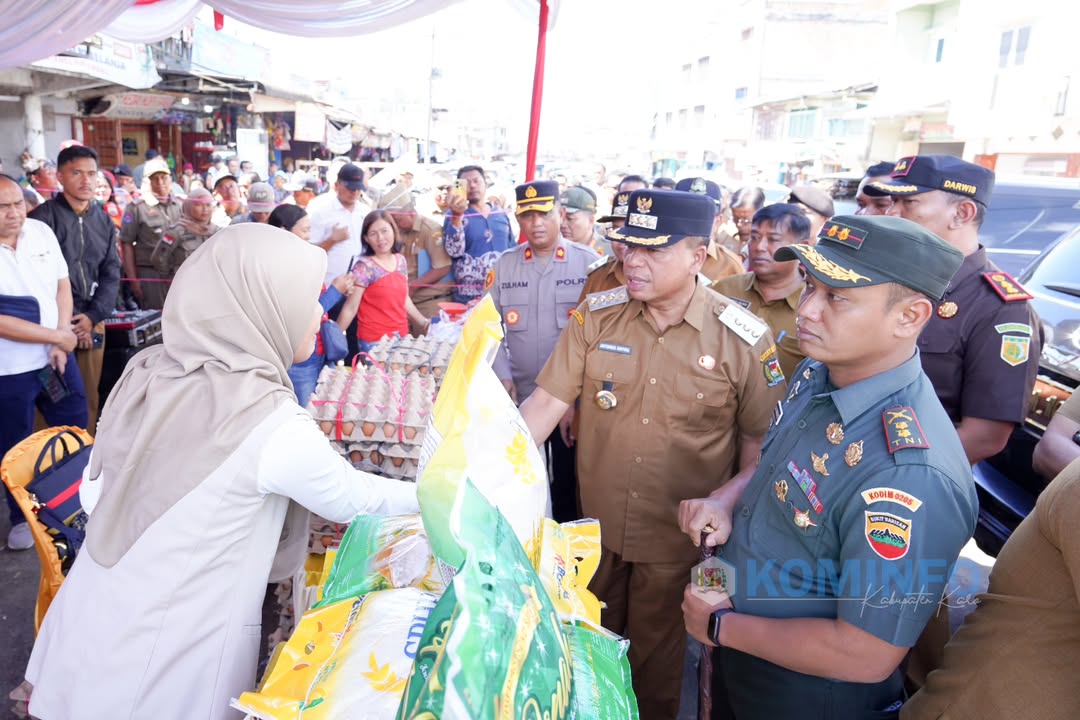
<point x="238" y="309"/>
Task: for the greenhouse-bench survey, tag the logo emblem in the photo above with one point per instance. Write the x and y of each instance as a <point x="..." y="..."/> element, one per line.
<point x="707" y="362"/>
<point x="802" y="520"/>
<point x="530" y="192"/>
<point x="888" y="534"/>
<point x="834" y="433"/>
<point x="644" y="205"/>
<point x="819" y="463"/>
<point x="489" y="280"/>
<point x="1015" y="349"/>
<point x="853" y="454"/>
<point x="781" y="490"/>
<point x="947" y="310"/>
<point x="513" y="317"/>
<point x="698" y="186"/>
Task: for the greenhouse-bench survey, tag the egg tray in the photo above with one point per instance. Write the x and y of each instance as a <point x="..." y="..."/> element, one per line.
<point x="370" y="405"/>
<point x="390" y="459"/>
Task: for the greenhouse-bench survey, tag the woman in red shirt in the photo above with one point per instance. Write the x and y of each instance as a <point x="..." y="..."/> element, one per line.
<point x="380" y="297"/>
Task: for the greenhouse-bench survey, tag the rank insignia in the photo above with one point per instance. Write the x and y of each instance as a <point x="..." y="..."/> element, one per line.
<point x="802" y="520"/>
<point x="902" y="429"/>
<point x="530" y="192"/>
<point x="528" y="253"/>
<point x="1015" y="349"/>
<point x="806" y="374"/>
<point x="819" y="463"/>
<point x="1007" y="287"/>
<point x="560" y="253"/>
<point x="887" y="534"/>
<point x="489" y="279"/>
<point x="947" y="310"/>
<point x="599" y="263"/>
<point x="843" y="234"/>
<point x="608" y="298"/>
<point x="794" y="390"/>
<point x="781" y="490"/>
<point x="834" y="433"/>
<point x="853" y="454"/>
<point x="577" y="316"/>
<point x="513" y="317"/>
<point x="706" y="362"/>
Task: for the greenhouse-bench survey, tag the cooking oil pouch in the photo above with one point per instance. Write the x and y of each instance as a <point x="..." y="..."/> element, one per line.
<point x="476" y="432"/>
<point x="346" y="661"/>
<point x="493" y="647"/>
<point x="380" y="552"/>
<point x="566" y="558"/>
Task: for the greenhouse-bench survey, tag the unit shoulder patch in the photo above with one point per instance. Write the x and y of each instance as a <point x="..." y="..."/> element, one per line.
<point x="600" y="262"/>
<point x="1007" y="288"/>
<point x="607" y="298"/>
<point x="902" y="429"/>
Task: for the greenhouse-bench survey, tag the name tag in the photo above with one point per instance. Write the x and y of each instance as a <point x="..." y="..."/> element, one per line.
<point x="743" y="324"/>
<point x="616" y="348"/>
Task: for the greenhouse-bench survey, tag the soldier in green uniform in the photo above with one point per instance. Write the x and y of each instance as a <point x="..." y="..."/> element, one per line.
<point x="838" y="547"/>
<point x="142" y="228"/>
<point x="186" y="236"/>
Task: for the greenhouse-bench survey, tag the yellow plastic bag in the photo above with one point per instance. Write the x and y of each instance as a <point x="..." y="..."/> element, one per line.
<point x="476" y="432"/>
<point x="566" y="558"/>
<point x="345" y="661"/>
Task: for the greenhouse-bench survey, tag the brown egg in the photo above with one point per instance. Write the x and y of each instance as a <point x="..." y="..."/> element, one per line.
<point x="347" y="429"/>
<point x="438" y="372"/>
<point x="327" y="426"/>
<point x="356" y="456"/>
<point x="375" y="458"/>
<point x="410" y="432"/>
<point x="368" y="428"/>
<point x="389" y="429"/>
<point x="397" y="461"/>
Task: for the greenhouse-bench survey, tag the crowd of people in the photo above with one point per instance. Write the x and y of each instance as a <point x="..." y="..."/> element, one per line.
<point x="798" y="394"/>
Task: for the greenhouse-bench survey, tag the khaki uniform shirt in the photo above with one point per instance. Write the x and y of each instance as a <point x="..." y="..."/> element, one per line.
<point x="144" y="225"/>
<point x="604" y="274"/>
<point x="683" y="398"/>
<point x="426" y="236"/>
<point x="176" y="246"/>
<point x="721" y="263"/>
<point x="535" y="300"/>
<point x="780" y="315"/>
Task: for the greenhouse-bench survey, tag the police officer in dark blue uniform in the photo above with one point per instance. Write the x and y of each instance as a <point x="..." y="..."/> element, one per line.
<point x="838" y="547"/>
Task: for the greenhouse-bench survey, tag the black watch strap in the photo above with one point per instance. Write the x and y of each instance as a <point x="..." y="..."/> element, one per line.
<point x="714" y="624"/>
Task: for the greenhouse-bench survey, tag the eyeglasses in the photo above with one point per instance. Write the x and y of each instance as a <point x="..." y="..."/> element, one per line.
<point x="743" y="221"/>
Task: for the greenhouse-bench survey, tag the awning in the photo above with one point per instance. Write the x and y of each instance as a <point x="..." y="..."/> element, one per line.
<point x="271" y="104"/>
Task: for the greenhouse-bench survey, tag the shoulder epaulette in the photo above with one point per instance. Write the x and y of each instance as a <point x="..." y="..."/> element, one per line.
<point x="607" y="298"/>
<point x="902" y="429"/>
<point x="1006" y="286"/>
<point x="600" y="262"/>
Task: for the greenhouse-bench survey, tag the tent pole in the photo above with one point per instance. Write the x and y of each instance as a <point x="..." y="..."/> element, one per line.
<point x="538" y="93"/>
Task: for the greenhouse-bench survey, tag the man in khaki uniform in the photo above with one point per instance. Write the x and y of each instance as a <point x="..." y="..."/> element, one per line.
<point x="772" y="288"/>
<point x="719" y="261"/>
<point x="430" y="278"/>
<point x="142" y="228"/>
<point x="607" y="272"/>
<point x="674" y="400"/>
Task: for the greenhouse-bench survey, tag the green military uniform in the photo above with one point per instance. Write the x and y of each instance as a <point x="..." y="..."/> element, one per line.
<point x="143" y="227"/>
<point x="176" y="245"/>
<point x="861" y="502"/>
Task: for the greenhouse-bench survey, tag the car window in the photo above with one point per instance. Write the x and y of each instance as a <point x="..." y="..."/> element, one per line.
<point x="1060" y="266"/>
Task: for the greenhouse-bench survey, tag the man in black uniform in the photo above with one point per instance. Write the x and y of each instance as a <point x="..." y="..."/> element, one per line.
<point x="981" y="347"/>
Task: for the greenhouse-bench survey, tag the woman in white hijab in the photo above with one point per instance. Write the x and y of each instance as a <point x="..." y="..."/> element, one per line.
<point x="200" y="450"/>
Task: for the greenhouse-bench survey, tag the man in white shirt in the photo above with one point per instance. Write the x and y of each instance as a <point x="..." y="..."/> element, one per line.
<point x="336" y="223"/>
<point x="36" y="339"/>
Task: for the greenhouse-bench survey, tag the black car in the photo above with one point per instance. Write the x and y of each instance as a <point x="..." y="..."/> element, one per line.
<point x="1026" y="216"/>
<point x="1007" y="484"/>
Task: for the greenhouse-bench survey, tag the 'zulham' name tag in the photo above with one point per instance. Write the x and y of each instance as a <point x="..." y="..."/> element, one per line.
<point x="743" y="324"/>
<point x="616" y="348"/>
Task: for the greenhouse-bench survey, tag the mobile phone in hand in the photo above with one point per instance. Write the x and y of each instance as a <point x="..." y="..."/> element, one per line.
<point x="52" y="382"/>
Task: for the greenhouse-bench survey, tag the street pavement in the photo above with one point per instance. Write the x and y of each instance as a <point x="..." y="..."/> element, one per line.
<point x="19" y="575"/>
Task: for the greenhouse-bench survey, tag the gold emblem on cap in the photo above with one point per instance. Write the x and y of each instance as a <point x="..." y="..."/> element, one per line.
<point x="853" y="454"/>
<point x="781" y="490"/>
<point x="530" y="192"/>
<point x="834" y="433"/>
<point x="698" y="186"/>
<point x="606" y="400"/>
<point x="819" y="463"/>
<point x="802" y="520"/>
<point x="644" y="205"/>
<point x="947" y="309"/>
<point x="827" y="267"/>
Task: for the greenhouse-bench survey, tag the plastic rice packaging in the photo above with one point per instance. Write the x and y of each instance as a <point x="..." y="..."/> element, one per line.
<point x="346" y="661"/>
<point x="477" y="433"/>
<point x="602" y="687"/>
<point x="493" y="647"/>
<point x="566" y="558"/>
<point x="382" y="552"/>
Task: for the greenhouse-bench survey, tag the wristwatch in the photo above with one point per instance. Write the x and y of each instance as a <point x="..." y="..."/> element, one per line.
<point x="714" y="624"/>
<point x="1076" y="437"/>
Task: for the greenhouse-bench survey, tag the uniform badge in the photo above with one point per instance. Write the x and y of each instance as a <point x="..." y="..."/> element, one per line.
<point x="806" y="374"/>
<point x="843" y="234"/>
<point x="834" y="433"/>
<point x="773" y="374"/>
<point x="947" y="310"/>
<point x="892" y="495"/>
<point x="606" y="400"/>
<point x="887" y="534"/>
<point x="802" y="519"/>
<point x="598" y="263"/>
<point x="1006" y="286"/>
<point x="489" y="279"/>
<point x="1015" y="349"/>
<point x="746" y="326"/>
<point x="806" y="484"/>
<point x="819" y="463"/>
<point x="513" y="317"/>
<point x="168" y="239"/>
<point x="902" y="429"/>
<point x="560" y="253"/>
<point x="853" y="454"/>
<point x="574" y="313"/>
<point x="128" y="217"/>
<point x="528" y="253"/>
<point x="706" y="362"/>
<point x="781" y="490"/>
<point x="778" y="412"/>
<point x="608" y="298"/>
